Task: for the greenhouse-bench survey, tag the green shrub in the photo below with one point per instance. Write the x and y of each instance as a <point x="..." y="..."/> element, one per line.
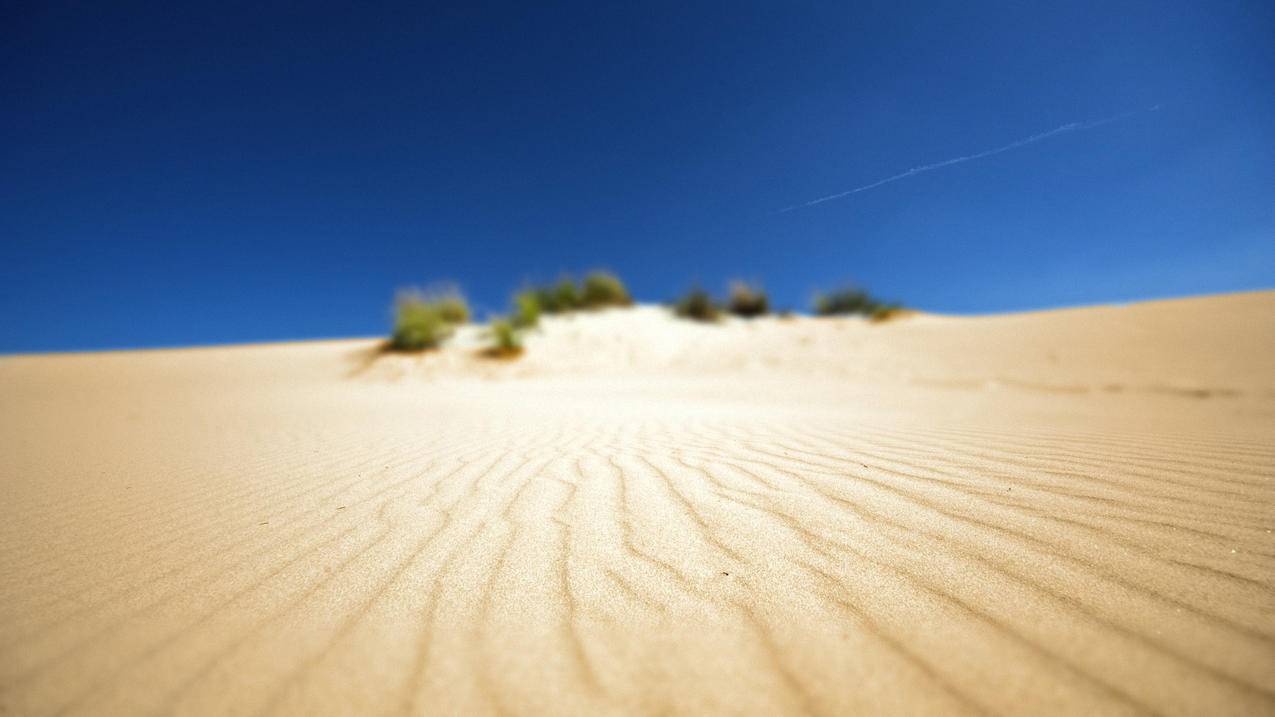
<point x="564" y="295"/>
<point x="546" y="298"/>
<point x="526" y="309"/>
<point x="844" y="301"/>
<point x="424" y="320"/>
<point x="856" y="301"/>
<point x="697" y="305"/>
<point x="555" y="298"/>
<point x="598" y="289"/>
<point x="747" y="300"/>
<point x="418" y="325"/>
<point x="506" y="339"/>
<point x="603" y="289"/>
<point x="453" y="307"/>
<point x="886" y="312"/>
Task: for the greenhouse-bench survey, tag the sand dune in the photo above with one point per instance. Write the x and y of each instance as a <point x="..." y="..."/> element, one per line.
<point x="1063" y="512"/>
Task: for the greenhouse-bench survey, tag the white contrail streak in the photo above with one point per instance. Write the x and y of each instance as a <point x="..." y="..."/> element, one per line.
<point x="1065" y="129"/>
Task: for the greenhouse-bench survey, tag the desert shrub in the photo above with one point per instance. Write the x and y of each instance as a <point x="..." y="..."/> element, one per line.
<point x="597" y="290"/>
<point x="453" y="307"/>
<point x="418" y="324"/>
<point x="697" y="304"/>
<point x="856" y="301"/>
<point x="845" y="301"/>
<point x="565" y="295"/>
<point x="423" y="320"/>
<point x="558" y="297"/>
<point x="747" y="300"/>
<point x="886" y="312"/>
<point x="526" y="309"/>
<point x="603" y="289"/>
<point x="546" y="298"/>
<point x="506" y="338"/>
<point x="554" y="298"/>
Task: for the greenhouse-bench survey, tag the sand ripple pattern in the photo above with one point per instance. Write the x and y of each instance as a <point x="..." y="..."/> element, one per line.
<point x="658" y="562"/>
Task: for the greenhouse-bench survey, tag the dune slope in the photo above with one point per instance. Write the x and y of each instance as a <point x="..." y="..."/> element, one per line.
<point x="1063" y="512"/>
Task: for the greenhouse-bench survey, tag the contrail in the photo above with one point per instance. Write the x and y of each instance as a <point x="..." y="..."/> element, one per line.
<point x="1065" y="129"/>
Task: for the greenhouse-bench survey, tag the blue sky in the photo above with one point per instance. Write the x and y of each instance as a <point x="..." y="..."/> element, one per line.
<point x="186" y="174"/>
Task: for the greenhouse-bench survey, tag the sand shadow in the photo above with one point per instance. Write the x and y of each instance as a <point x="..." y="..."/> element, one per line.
<point x="363" y="359"/>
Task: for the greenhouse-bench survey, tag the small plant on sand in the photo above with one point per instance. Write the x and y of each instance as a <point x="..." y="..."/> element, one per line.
<point x="423" y="321"/>
<point x="747" y="300"/>
<point x="598" y="289"/>
<point x="603" y="289"/>
<point x="526" y="309"/>
<point x="453" y="307"/>
<point x="555" y="298"/>
<point x="566" y="296"/>
<point x="698" y="305"/>
<point x="558" y="297"/>
<point x="886" y="312"/>
<point x="546" y="299"/>
<point x="506" y="339"/>
<point x="856" y="301"/>
<point x="844" y="301"/>
<point x="418" y="325"/>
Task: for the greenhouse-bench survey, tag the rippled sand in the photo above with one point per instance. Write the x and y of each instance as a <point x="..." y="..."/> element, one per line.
<point x="1052" y="513"/>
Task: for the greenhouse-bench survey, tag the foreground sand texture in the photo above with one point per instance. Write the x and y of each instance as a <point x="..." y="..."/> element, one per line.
<point x="1051" y="513"/>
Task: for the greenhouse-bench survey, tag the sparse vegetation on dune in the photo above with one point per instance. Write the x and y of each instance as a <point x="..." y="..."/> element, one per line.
<point x="849" y="302"/>
<point x="598" y="290"/>
<point x="506" y="339"/>
<point x="564" y="296"/>
<point x="697" y="305"/>
<point x="526" y="309"/>
<point x="556" y="298"/>
<point x="843" y="301"/>
<point x="453" y="308"/>
<point x="545" y="299"/>
<point x="747" y="300"/>
<point x="744" y="300"/>
<point x="603" y="289"/>
<point x="418" y="326"/>
<point x="887" y="312"/>
<point x="424" y="320"/>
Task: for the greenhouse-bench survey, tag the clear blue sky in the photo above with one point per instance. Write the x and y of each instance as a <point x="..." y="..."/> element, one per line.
<point x="189" y="174"/>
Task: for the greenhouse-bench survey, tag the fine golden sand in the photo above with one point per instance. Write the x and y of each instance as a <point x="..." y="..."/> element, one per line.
<point x="1062" y="512"/>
